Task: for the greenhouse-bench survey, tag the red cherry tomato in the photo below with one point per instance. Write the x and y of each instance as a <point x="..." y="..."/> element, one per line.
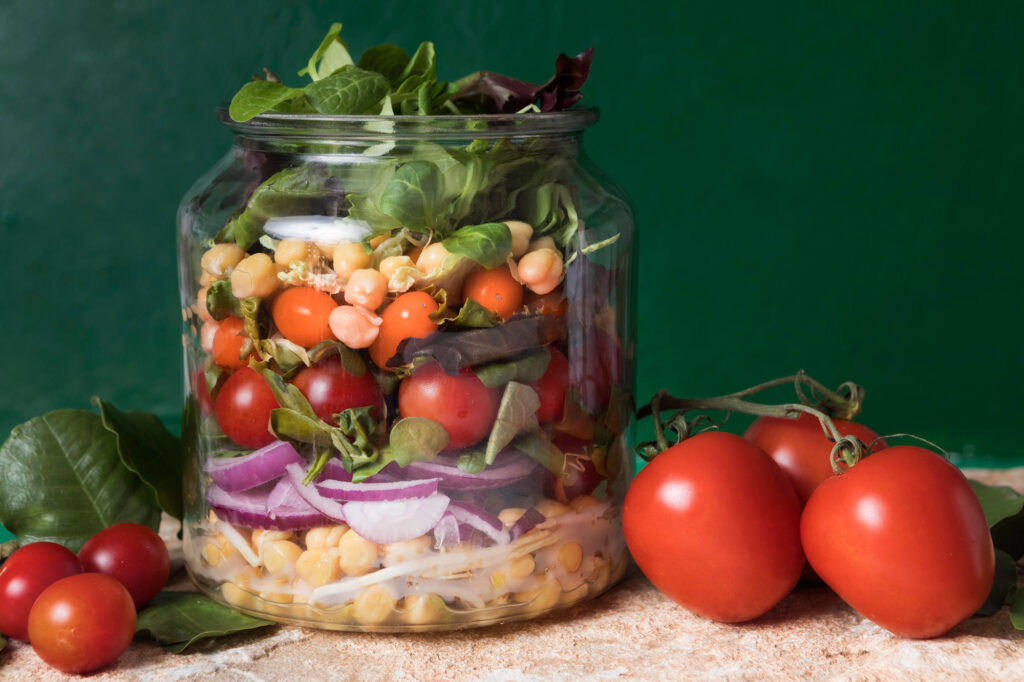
<point x="800" y="447"/>
<point x="202" y="392"/>
<point x="901" y="537"/>
<point x="495" y="289"/>
<point x="301" y="314"/>
<point x="24" y="576"/>
<point x="243" y="408"/>
<point x="715" y="525"/>
<point x="551" y="388"/>
<point x="407" y="317"/>
<point x="330" y="389"/>
<point x="228" y="343"/>
<point x="131" y="553"/>
<point x="461" y="404"/>
<point x="82" y="623"/>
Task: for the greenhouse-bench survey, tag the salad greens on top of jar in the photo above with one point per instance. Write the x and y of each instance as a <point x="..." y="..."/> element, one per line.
<point x="408" y="348"/>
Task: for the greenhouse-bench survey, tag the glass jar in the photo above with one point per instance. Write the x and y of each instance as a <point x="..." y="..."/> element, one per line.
<point x="408" y="358"/>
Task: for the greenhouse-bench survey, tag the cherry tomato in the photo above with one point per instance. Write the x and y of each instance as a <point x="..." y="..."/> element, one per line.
<point x="715" y="525"/>
<point x="82" y="623"/>
<point x="23" y="577"/>
<point x="595" y="366"/>
<point x="202" y="392"/>
<point x="461" y="404"/>
<point x="901" y="537"/>
<point x="301" y="314"/>
<point x="228" y="343"/>
<point x="800" y="447"/>
<point x="243" y="408"/>
<point x="495" y="290"/>
<point x="131" y="553"/>
<point x="551" y="388"/>
<point x="330" y="389"/>
<point x="407" y="317"/>
<point x="552" y="303"/>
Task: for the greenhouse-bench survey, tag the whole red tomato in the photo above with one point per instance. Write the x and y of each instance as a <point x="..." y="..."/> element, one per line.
<point x="82" y="623"/>
<point x="551" y="388"/>
<point x="330" y="389"/>
<point x="24" y="576"/>
<point x="131" y="553"/>
<point x="461" y="404"/>
<point x="715" y="525"/>
<point x="901" y="537"/>
<point x="800" y="447"/>
<point x="243" y="408"/>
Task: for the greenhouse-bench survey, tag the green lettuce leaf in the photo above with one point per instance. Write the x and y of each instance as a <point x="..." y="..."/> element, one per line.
<point x="489" y="244"/>
<point x="257" y="97"/>
<point x="348" y="91"/>
<point x="517" y="414"/>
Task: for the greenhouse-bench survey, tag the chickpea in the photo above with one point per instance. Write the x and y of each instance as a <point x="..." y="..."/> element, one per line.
<point x="422" y="609"/>
<point x="254" y="276"/>
<point x="522" y="567"/>
<point x="397" y="552"/>
<point x="279" y="557"/>
<point x="542" y="596"/>
<point x="236" y="596"/>
<point x="201" y="309"/>
<point x="212" y="554"/>
<point x="390" y="265"/>
<point x="318" y="566"/>
<point x="206" y="279"/>
<point x="432" y="258"/>
<point x="551" y="508"/>
<point x="206" y="334"/>
<point x="220" y="259"/>
<point x="357" y="554"/>
<point x="354" y="326"/>
<point x="349" y="257"/>
<point x="289" y="250"/>
<point x="373" y="605"/>
<point x="541" y="270"/>
<point x="542" y="243"/>
<point x="570" y="556"/>
<point x="521" y="233"/>
<point x="366" y="288"/>
<point x="261" y="536"/>
<point x="324" y="537"/>
<point x="509" y="516"/>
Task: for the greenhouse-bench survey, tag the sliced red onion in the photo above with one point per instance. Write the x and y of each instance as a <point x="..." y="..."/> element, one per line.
<point x="511" y="467"/>
<point x="446" y="532"/>
<point x="249" y="509"/>
<point x="234" y="474"/>
<point x="378" y="492"/>
<point x="480" y="519"/>
<point x="329" y="508"/>
<point x="526" y="523"/>
<point x="397" y="521"/>
<point x="333" y="471"/>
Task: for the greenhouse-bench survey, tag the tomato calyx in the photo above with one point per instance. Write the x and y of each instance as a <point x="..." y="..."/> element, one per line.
<point x="843" y="403"/>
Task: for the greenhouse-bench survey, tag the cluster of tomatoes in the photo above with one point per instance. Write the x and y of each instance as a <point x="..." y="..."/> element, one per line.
<point x="722" y="525"/>
<point x="79" y="611"/>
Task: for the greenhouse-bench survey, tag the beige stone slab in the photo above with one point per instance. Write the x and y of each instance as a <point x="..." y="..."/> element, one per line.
<point x="631" y="633"/>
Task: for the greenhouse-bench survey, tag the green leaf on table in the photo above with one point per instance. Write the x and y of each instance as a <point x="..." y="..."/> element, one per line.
<point x="177" y="620"/>
<point x="331" y="55"/>
<point x="1003" y="584"/>
<point x="1004" y="513"/>
<point x="387" y="60"/>
<point x="3" y="642"/>
<point x="517" y="413"/>
<point x="524" y="369"/>
<point x="489" y="244"/>
<point x="1017" y="609"/>
<point x="63" y="481"/>
<point x="257" y="97"/>
<point x="348" y="91"/>
<point x="417" y="439"/>
<point x="412" y="195"/>
<point x="149" y="450"/>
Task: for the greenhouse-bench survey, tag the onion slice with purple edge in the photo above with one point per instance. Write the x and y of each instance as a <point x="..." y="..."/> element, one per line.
<point x="329" y="508"/>
<point x="378" y="492"/>
<point x="234" y="474"/>
<point x="396" y="521"/>
<point x="446" y="532"/>
<point x="249" y="509"/>
<point x="509" y="468"/>
<point x="526" y="523"/>
<point x="481" y="520"/>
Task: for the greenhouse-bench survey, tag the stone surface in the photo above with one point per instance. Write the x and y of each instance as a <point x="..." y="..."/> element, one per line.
<point x="632" y="632"/>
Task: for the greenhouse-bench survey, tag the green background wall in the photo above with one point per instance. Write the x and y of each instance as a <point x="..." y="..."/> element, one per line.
<point x="837" y="189"/>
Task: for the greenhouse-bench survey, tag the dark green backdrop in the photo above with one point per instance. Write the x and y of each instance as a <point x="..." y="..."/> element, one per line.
<point x="837" y="189"/>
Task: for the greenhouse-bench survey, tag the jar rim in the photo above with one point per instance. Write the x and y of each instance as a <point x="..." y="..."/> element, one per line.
<point x="414" y="126"/>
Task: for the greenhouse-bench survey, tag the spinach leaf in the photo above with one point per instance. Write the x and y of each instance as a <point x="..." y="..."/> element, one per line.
<point x="423" y="63"/>
<point x="388" y="60"/>
<point x="541" y="450"/>
<point x="64" y="481"/>
<point x="1017" y="609"/>
<point x="1002" y="585"/>
<point x="257" y="97"/>
<point x="331" y="55"/>
<point x="348" y="91"/>
<point x="472" y="462"/>
<point x="525" y="368"/>
<point x="177" y="620"/>
<point x="412" y="195"/>
<point x="417" y="439"/>
<point x="517" y="413"/>
<point x="1004" y="512"/>
<point x="489" y="244"/>
<point x="471" y="315"/>
<point x="457" y="349"/>
<point x="220" y="302"/>
<point x="150" y="451"/>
